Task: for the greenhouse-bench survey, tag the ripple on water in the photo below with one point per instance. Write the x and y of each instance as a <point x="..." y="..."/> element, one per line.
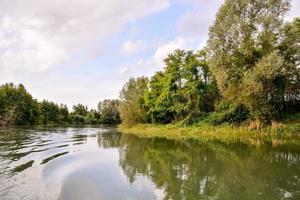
<point x="99" y="163"/>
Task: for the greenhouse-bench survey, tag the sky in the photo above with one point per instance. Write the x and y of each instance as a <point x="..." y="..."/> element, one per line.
<point x="83" y="51"/>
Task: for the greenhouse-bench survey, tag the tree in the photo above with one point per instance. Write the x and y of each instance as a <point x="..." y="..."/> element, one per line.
<point x="17" y="107"/>
<point x="183" y="90"/>
<point x="242" y="45"/>
<point x="199" y="84"/>
<point x="108" y="110"/>
<point x="166" y="98"/>
<point x="80" y="109"/>
<point x="94" y="117"/>
<point x="132" y="106"/>
<point x="289" y="48"/>
<point x="64" y="115"/>
<point x="49" y="112"/>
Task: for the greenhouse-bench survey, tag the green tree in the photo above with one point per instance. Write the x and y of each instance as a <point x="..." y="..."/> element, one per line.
<point x="49" y="112"/>
<point x="132" y="106"/>
<point x="199" y="84"/>
<point x="94" y="117"/>
<point x="64" y="115"/>
<point x="166" y="98"/>
<point x="183" y="90"/>
<point x="108" y="110"/>
<point x="242" y="45"/>
<point x="17" y="107"/>
<point x="290" y="50"/>
<point x="80" y="109"/>
<point x="79" y="114"/>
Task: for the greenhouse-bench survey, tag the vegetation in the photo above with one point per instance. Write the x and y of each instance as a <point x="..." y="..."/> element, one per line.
<point x="247" y="75"/>
<point x="277" y="134"/>
<point x="18" y="107"/>
<point x="109" y="113"/>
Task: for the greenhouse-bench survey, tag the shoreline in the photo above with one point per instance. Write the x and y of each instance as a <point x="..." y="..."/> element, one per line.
<point x="288" y="134"/>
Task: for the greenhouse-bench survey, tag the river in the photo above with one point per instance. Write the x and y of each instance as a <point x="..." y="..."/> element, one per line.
<point x="102" y="164"/>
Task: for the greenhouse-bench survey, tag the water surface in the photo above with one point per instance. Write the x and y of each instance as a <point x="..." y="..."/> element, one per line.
<point x="102" y="164"/>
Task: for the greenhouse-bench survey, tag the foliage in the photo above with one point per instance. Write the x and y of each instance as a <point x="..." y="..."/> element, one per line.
<point x="183" y="89"/>
<point x="80" y="109"/>
<point x="17" y="107"/>
<point x="249" y="70"/>
<point x="250" y="56"/>
<point x="248" y="73"/>
<point x="288" y="133"/>
<point x="94" y="117"/>
<point x="109" y="113"/>
<point x="49" y="112"/>
<point x="132" y="106"/>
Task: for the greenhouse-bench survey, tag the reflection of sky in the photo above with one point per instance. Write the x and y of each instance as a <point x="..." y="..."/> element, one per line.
<point x="91" y="170"/>
<point x="94" y="173"/>
<point x="70" y="164"/>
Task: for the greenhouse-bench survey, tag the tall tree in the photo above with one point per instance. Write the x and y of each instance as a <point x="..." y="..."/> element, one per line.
<point x="183" y="89"/>
<point x="290" y="50"/>
<point x="132" y="106"/>
<point x="242" y="47"/>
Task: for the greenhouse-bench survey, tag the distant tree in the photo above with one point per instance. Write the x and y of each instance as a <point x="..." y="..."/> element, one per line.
<point x="80" y="109"/>
<point x="17" y="107"/>
<point x="132" y="106"/>
<point x="94" y="117"/>
<point x="108" y="110"/>
<point x="64" y="115"/>
<point x="49" y="112"/>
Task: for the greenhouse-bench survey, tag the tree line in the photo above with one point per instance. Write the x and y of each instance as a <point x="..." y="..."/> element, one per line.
<point x="248" y="72"/>
<point x="18" y="107"/>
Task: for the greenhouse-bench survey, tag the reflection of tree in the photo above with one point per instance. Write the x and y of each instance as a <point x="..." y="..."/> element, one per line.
<point x="109" y="139"/>
<point x="193" y="170"/>
<point x="12" y="140"/>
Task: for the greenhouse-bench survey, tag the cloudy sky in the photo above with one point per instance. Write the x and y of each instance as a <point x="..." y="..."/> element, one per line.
<point x="72" y="51"/>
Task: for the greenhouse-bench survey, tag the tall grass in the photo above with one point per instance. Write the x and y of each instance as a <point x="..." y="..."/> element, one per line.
<point x="273" y="135"/>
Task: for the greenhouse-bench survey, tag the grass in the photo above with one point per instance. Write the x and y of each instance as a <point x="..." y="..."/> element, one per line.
<point x="288" y="133"/>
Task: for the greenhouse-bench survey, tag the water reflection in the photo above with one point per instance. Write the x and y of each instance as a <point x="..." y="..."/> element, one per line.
<point x="53" y="157"/>
<point x="22" y="167"/>
<point x="100" y="163"/>
<point x="195" y="170"/>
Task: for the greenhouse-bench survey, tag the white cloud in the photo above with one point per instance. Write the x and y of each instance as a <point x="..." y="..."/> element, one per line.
<point x="168" y="47"/>
<point x="37" y="35"/>
<point x="26" y="48"/>
<point x="196" y="21"/>
<point x="147" y="67"/>
<point x="132" y="47"/>
<point x="295" y="10"/>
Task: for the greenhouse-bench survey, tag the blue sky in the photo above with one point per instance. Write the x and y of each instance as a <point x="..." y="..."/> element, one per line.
<point x="71" y="51"/>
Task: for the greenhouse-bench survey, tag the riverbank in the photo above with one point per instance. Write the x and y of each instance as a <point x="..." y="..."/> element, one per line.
<point x="284" y="134"/>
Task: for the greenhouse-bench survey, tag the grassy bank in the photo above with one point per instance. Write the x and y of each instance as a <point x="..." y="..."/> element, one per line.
<point x="288" y="133"/>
